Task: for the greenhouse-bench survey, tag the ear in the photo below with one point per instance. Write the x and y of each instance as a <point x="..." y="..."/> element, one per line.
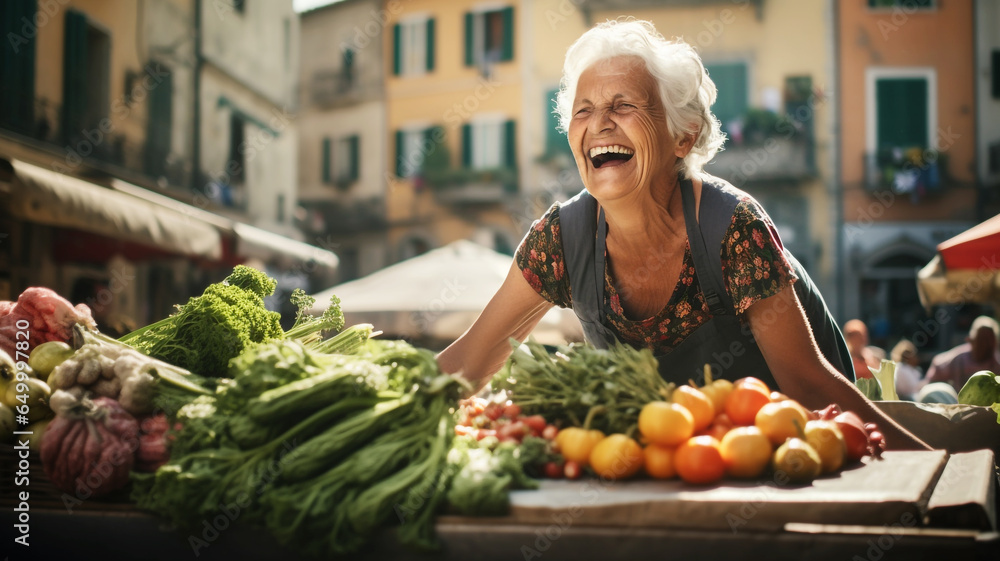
<point x="684" y="145"/>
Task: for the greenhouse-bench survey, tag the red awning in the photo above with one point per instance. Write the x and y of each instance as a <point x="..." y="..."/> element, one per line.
<point x="975" y="248"/>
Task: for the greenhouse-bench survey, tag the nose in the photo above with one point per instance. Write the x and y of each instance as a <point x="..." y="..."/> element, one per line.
<point x="600" y="121"/>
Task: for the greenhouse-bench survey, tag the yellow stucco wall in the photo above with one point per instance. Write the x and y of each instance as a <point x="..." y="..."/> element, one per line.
<point x="118" y="20"/>
<point x="448" y="97"/>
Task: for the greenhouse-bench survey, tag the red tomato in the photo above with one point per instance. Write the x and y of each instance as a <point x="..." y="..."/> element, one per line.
<point x="572" y="470"/>
<point x="493" y="410"/>
<point x="511" y="410"/>
<point x="512" y="431"/>
<point x="550" y="432"/>
<point x="553" y="470"/>
<point x="536" y="423"/>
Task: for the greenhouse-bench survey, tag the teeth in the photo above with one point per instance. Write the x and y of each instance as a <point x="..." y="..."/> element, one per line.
<point x="616" y="149"/>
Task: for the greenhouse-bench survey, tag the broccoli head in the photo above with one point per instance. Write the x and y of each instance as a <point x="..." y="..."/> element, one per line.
<point x="213" y="328"/>
<point x="252" y="280"/>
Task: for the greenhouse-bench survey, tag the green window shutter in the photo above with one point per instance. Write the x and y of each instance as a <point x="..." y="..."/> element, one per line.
<point x="555" y="141"/>
<point x="74" y="73"/>
<point x="902" y="112"/>
<point x="430" y="45"/>
<point x="355" y="146"/>
<point x="466" y="145"/>
<point x="397" y="58"/>
<point x="508" y="34"/>
<point x="509" y="144"/>
<point x="399" y="153"/>
<point x="17" y="66"/>
<point x="470" y="58"/>
<point x="995" y="74"/>
<point x="731" y="81"/>
<point x="327" y="170"/>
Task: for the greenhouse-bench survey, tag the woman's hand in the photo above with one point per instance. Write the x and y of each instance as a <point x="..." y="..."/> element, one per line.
<point x="480" y="352"/>
<point x="782" y="331"/>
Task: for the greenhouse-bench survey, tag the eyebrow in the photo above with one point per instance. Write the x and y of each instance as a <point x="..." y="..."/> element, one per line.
<point x="615" y="98"/>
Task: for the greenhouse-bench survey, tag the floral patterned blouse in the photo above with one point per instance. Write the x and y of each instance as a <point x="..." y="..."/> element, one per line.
<point x="753" y="266"/>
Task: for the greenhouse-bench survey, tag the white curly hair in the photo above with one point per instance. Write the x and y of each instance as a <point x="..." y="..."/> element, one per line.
<point x="685" y="88"/>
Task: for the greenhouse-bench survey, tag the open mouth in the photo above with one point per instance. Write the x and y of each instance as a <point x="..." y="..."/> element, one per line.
<point x="612" y="155"/>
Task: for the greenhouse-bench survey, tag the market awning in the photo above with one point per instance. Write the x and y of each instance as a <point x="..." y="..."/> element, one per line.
<point x="438" y="294"/>
<point x="256" y="242"/>
<point x="251" y="242"/>
<point x="965" y="270"/>
<point x="55" y="199"/>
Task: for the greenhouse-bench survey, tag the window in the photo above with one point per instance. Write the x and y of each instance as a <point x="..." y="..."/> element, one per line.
<point x="905" y="4"/>
<point x="341" y="160"/>
<point x="17" y="66"/>
<point x="555" y="140"/>
<point x="159" y="123"/>
<point x="413" y="47"/>
<point x="488" y="144"/>
<point x="733" y="100"/>
<point x="902" y="102"/>
<point x="86" y="77"/>
<point x="995" y="74"/>
<point x="347" y="69"/>
<point x="489" y="37"/>
<point x="412" y="145"/>
<point x="236" y="164"/>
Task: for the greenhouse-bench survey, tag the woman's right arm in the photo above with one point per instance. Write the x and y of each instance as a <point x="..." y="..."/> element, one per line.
<point x="481" y="351"/>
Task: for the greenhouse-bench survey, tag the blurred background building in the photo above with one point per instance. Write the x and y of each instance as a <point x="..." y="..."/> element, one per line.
<point x="329" y="140"/>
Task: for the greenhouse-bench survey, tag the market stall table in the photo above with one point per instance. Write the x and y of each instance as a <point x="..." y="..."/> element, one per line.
<point x="914" y="505"/>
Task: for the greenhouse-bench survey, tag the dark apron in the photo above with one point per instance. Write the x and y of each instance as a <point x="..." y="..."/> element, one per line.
<point x="723" y="342"/>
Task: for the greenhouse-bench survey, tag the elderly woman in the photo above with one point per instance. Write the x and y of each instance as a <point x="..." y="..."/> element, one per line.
<point x="657" y="254"/>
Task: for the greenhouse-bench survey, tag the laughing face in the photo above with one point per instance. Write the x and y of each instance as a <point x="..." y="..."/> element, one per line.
<point x="618" y="130"/>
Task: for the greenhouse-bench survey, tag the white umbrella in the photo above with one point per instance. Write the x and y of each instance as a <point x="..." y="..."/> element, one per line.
<point x="439" y="295"/>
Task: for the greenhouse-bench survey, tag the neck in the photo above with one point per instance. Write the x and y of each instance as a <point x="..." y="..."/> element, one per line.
<point x="649" y="215"/>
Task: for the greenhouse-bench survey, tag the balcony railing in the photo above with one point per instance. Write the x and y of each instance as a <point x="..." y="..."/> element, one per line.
<point x="776" y="158"/>
<point x="330" y="87"/>
<point x="912" y="171"/>
<point x="464" y="186"/>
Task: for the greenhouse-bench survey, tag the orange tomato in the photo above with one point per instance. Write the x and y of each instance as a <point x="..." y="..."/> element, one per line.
<point x="616" y="457"/>
<point x="665" y="423"/>
<point x="697" y="403"/>
<point x="576" y="444"/>
<point x="658" y="461"/>
<point x="745" y="400"/>
<point x="781" y="420"/>
<point x="698" y="460"/>
<point x="751" y="381"/>
<point x="778" y="396"/>
<point x="746" y="452"/>
<point x="719" y="427"/>
<point x="716" y="390"/>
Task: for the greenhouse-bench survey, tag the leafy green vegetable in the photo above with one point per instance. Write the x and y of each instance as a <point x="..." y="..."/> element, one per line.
<point x="886" y="378"/>
<point x="563" y="387"/>
<point x="485" y="478"/>
<point x="870" y="387"/>
<point x="308" y="329"/>
<point x="328" y="448"/>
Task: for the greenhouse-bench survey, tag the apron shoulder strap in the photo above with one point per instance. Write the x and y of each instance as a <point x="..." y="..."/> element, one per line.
<point x="705" y="234"/>
<point x="578" y="225"/>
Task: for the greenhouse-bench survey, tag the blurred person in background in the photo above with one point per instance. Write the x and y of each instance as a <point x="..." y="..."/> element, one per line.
<point x="862" y="354"/>
<point x="979" y="352"/>
<point x="635" y="254"/>
<point x="908" y="373"/>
